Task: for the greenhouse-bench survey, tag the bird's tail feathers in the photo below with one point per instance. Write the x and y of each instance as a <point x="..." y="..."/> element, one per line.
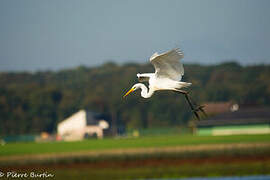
<point x="184" y="84"/>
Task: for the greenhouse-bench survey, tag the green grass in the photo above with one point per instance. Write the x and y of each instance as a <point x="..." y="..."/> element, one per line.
<point x="122" y="167"/>
<point x="142" y="142"/>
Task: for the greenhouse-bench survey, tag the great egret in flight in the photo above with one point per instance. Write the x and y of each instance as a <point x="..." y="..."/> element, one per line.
<point x="168" y="74"/>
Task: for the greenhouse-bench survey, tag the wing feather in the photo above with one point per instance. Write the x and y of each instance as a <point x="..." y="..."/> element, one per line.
<point x="168" y="65"/>
<point x="144" y="77"/>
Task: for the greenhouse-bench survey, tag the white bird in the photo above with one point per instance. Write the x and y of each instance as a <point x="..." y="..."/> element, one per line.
<point x="168" y="74"/>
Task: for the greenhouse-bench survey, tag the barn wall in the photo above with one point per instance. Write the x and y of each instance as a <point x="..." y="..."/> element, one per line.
<point x="73" y="123"/>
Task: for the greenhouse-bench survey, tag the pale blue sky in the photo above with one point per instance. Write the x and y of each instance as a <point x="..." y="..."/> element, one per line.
<point x="42" y="35"/>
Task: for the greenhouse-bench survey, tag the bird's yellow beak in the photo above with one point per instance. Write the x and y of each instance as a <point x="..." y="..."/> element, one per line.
<point x="130" y="91"/>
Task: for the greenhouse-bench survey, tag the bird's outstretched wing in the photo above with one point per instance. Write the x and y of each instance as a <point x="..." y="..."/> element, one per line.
<point x="144" y="77"/>
<point x="168" y="65"/>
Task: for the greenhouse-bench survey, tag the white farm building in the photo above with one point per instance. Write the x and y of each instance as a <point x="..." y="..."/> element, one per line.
<point x="82" y="124"/>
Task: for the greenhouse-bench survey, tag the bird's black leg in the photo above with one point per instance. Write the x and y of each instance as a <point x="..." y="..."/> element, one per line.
<point x="189" y="102"/>
<point x="195" y="111"/>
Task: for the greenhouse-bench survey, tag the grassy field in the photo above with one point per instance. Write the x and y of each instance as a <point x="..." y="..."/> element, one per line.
<point x="125" y="143"/>
<point x="141" y="158"/>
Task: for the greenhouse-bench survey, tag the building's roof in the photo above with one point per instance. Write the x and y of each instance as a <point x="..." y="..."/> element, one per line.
<point x="217" y="107"/>
<point x="93" y="118"/>
<point x="248" y="115"/>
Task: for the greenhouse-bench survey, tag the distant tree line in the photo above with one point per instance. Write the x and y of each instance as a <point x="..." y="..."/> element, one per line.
<point x="35" y="102"/>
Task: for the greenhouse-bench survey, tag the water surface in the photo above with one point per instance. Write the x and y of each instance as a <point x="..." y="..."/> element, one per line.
<point x="263" y="177"/>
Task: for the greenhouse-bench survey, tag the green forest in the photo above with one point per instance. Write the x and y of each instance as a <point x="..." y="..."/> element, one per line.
<point x="32" y="102"/>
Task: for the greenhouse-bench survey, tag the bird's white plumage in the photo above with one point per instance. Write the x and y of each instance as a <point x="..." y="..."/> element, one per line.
<point x="168" y="65"/>
<point x="145" y="77"/>
<point x="168" y="74"/>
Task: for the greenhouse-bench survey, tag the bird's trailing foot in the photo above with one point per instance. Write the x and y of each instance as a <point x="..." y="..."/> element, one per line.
<point x="192" y="103"/>
<point x="198" y="107"/>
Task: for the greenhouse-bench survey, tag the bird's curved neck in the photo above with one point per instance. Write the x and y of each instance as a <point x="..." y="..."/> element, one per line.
<point x="145" y="93"/>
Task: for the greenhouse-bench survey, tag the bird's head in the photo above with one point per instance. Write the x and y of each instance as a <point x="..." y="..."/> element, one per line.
<point x="134" y="88"/>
